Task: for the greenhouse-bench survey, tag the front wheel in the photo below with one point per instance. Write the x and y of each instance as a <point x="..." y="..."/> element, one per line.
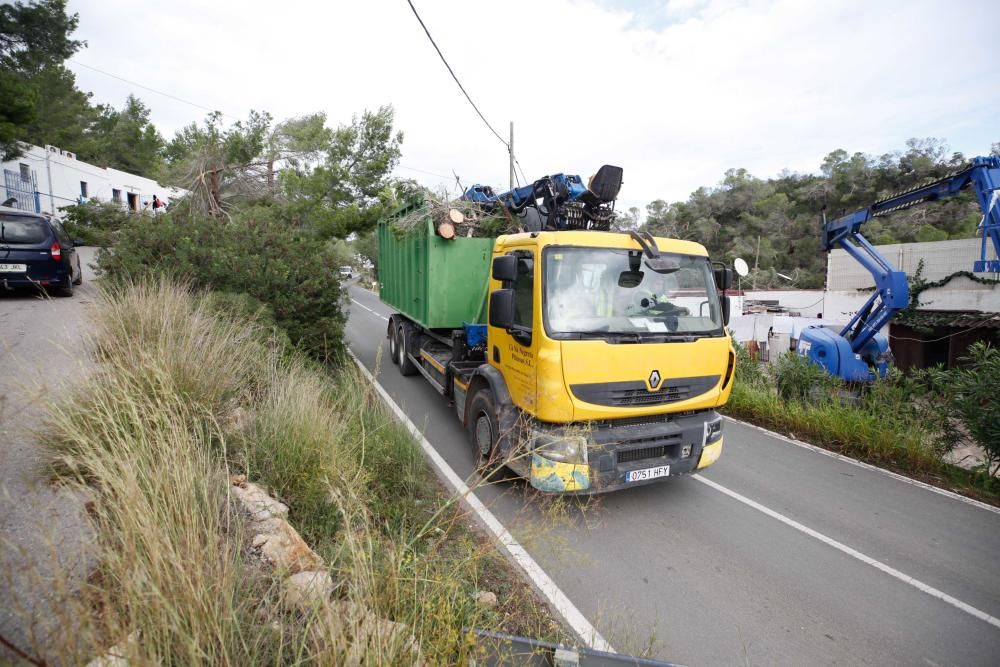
<point x="484" y="433"/>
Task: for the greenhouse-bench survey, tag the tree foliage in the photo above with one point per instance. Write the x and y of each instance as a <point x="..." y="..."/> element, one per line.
<point x="34" y="43"/>
<point x="334" y="181"/>
<point x="775" y="223"/>
<point x="125" y="139"/>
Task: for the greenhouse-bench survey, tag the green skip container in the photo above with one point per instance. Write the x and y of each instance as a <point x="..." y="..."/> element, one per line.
<point x="437" y="283"/>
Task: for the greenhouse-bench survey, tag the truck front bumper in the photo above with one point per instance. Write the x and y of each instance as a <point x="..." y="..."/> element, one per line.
<point x="667" y="444"/>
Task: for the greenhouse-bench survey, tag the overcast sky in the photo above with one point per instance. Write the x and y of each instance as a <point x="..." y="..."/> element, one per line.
<point x="674" y="91"/>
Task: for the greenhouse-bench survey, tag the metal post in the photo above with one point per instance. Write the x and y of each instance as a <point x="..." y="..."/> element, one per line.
<point x="510" y="153"/>
<point x="48" y="170"/>
<point x="755" y="260"/>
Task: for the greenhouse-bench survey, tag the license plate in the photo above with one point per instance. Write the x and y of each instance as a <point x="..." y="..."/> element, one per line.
<point x="647" y="473"/>
<point x="13" y="268"/>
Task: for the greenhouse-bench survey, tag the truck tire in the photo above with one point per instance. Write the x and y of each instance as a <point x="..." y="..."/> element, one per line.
<point x="404" y="344"/>
<point x="393" y="343"/>
<point x="484" y="433"/>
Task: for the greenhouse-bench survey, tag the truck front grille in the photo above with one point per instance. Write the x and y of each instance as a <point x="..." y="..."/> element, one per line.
<point x="644" y="453"/>
<point x="636" y="393"/>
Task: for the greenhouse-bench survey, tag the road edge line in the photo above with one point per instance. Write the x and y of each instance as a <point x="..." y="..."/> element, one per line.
<point x="853" y="553"/>
<point x="559" y="601"/>
<point x="868" y="466"/>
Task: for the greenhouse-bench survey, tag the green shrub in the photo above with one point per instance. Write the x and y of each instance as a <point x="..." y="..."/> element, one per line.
<point x="799" y="379"/>
<point x="749" y="371"/>
<point x="971" y="403"/>
<point x="95" y="223"/>
<point x="277" y="263"/>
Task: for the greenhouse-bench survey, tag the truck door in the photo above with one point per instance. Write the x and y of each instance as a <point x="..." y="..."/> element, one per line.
<point x="513" y="353"/>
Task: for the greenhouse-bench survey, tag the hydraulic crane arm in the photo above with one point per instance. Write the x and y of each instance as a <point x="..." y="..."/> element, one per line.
<point x="892" y="293"/>
<point x="563" y="200"/>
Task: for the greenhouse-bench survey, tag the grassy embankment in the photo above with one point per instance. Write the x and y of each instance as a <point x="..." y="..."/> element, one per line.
<point x="896" y="424"/>
<point x="182" y="397"/>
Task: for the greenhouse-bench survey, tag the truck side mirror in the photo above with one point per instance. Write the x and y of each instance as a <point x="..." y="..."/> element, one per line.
<point x="502" y="308"/>
<point x="723" y="277"/>
<point x="725" y="310"/>
<point x="505" y="268"/>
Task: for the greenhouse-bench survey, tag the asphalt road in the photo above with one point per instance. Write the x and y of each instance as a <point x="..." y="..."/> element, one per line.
<point x="42" y="528"/>
<point x="777" y="555"/>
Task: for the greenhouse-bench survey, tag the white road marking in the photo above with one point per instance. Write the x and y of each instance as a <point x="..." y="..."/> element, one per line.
<point x="854" y="553"/>
<point x="562" y="604"/>
<point x="369" y="309"/>
<point x="868" y="466"/>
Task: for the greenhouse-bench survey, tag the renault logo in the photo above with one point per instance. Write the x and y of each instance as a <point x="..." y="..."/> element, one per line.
<point x="654" y="379"/>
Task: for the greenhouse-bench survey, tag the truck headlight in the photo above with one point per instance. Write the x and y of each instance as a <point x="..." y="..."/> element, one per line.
<point x="713" y="430"/>
<point x="559" y="447"/>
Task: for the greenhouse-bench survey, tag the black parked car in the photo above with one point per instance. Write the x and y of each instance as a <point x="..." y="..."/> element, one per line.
<point x="35" y="250"/>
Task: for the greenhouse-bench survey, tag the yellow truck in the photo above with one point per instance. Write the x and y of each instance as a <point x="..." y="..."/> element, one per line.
<point x="583" y="360"/>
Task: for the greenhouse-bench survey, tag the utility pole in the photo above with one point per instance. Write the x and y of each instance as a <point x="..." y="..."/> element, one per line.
<point x="755" y="260"/>
<point x="510" y="153"/>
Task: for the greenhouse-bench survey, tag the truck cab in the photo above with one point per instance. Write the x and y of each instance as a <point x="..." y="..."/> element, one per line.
<point x="596" y="362"/>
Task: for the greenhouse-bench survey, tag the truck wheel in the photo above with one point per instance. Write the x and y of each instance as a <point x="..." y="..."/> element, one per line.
<point x="484" y="433"/>
<point x="393" y="345"/>
<point x="405" y="340"/>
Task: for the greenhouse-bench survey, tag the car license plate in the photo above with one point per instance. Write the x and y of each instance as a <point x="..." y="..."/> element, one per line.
<point x="13" y="268"/>
<point x="647" y="473"/>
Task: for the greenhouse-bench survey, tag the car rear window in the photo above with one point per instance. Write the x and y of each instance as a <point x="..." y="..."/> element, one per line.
<point x="22" y="229"/>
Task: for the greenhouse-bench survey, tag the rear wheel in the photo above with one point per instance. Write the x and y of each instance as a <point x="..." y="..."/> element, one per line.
<point x="393" y="345"/>
<point x="405" y="340"/>
<point x="66" y="289"/>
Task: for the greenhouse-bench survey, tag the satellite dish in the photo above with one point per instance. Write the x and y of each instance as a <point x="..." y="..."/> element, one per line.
<point x="741" y="267"/>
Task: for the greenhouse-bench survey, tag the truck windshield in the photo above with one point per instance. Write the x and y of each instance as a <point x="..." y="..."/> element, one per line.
<point x="601" y="292"/>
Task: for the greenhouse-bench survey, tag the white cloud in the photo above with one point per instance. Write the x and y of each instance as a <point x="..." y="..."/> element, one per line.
<point x="675" y="92"/>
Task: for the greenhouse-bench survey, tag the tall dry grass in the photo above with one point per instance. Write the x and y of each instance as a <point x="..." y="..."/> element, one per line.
<point x="184" y="395"/>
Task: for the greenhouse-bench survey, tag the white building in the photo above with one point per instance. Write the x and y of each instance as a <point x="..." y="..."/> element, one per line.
<point x="47" y="179"/>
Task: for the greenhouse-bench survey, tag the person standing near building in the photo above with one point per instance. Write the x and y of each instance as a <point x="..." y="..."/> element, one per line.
<point x="157" y="205"/>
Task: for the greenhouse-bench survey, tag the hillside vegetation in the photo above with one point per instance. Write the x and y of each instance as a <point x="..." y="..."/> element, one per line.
<point x="783" y="214"/>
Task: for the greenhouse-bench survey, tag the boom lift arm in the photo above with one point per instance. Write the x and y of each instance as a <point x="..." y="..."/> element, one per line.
<point x="859" y="350"/>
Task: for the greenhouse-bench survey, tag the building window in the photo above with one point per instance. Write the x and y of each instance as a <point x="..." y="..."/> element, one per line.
<point x="25" y="171"/>
<point x="83" y="190"/>
<point x="116" y="196"/>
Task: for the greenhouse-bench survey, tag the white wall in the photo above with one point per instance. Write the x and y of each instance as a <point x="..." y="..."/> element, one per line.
<point x="941" y="258"/>
<point x="67" y="173"/>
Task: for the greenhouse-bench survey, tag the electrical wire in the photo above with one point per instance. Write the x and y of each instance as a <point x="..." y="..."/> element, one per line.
<point x="424" y="171"/>
<point x="152" y="90"/>
<point x="450" y="71"/>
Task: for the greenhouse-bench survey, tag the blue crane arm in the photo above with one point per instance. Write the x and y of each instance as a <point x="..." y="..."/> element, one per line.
<point x="892" y="293"/>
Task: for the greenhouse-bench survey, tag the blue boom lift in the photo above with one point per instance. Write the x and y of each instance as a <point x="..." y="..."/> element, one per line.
<point x="859" y="353"/>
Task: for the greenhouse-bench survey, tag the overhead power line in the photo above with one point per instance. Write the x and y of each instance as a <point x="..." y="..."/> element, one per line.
<point x="450" y="71"/>
<point x="152" y="90"/>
